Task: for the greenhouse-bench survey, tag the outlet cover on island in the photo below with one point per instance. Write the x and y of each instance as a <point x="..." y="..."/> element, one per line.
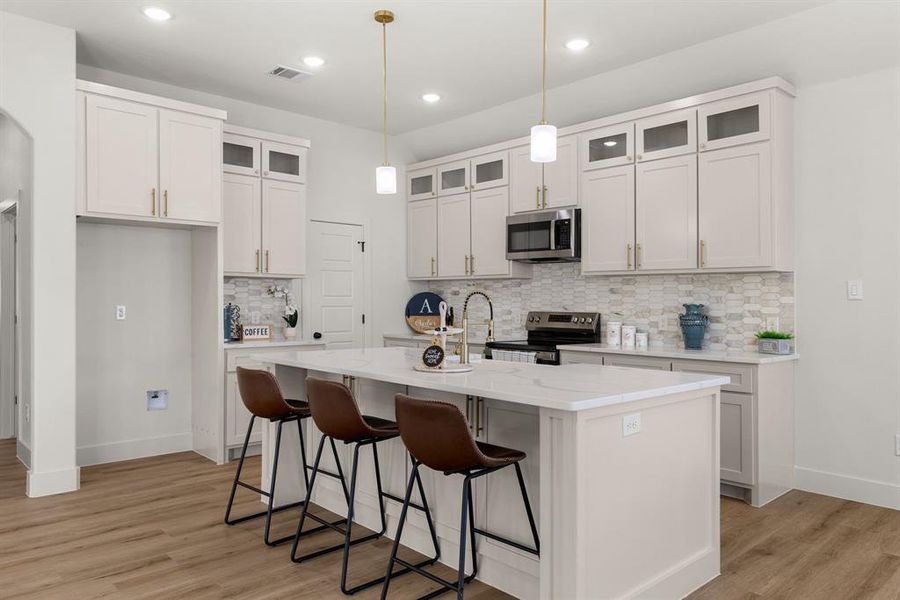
<point x="855" y="289"/>
<point x="120" y="313"/>
<point x="631" y="424"/>
<point x="157" y="399"/>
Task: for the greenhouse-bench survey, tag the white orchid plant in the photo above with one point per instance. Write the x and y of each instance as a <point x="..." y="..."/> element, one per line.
<point x="291" y="313"/>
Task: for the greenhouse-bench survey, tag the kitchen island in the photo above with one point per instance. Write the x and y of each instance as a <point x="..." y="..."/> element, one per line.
<point x="620" y="516"/>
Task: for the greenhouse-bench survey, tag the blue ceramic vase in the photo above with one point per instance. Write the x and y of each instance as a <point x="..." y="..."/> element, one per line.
<point x="693" y="326"/>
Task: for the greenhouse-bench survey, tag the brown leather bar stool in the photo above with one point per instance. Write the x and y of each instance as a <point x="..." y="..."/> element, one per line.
<point x="437" y="436"/>
<point x="262" y="397"/>
<point x="336" y="414"/>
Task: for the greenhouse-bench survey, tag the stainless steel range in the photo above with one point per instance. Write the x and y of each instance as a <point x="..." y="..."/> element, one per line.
<point x="546" y="331"/>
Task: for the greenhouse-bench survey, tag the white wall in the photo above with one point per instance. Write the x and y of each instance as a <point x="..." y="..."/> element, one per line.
<point x="37" y="90"/>
<point x="342" y="163"/>
<point x="149" y="272"/>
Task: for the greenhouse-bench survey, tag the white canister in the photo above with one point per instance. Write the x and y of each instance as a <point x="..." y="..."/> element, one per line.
<point x="613" y="334"/>
<point x="641" y="340"/>
<point x="629" y="332"/>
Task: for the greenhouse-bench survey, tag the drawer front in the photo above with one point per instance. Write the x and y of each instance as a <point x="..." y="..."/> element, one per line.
<point x="641" y="362"/>
<point x="586" y="358"/>
<point x="397" y="343"/>
<point x="741" y="375"/>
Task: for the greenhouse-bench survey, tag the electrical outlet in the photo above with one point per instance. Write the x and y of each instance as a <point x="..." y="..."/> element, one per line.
<point x="631" y="424"/>
<point x="120" y="313"/>
<point x="773" y="323"/>
<point x="157" y="399"/>
<point x="664" y="323"/>
<point x="855" y="289"/>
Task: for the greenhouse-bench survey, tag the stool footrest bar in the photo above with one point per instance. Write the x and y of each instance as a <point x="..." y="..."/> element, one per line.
<point x="507" y="541"/>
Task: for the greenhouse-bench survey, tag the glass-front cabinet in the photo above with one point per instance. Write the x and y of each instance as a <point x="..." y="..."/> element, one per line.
<point x="421" y="184"/>
<point x="611" y="146"/>
<point x="669" y="134"/>
<point x="240" y="154"/>
<point x="284" y="162"/>
<point x="490" y="170"/>
<point x="741" y="120"/>
<point x="453" y="178"/>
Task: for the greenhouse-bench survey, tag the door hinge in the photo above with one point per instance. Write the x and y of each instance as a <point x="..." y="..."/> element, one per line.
<point x="364" y="318"/>
<point x="16" y="400"/>
<point x="362" y="246"/>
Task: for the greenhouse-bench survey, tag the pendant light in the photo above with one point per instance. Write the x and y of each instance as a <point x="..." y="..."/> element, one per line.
<point x="543" y="136"/>
<point x="385" y="175"/>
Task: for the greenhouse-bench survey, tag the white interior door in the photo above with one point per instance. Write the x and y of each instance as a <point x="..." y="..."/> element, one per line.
<point x="336" y="284"/>
<point x="8" y="378"/>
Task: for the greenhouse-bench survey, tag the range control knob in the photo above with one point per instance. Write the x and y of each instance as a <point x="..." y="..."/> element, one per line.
<point x="590" y="320"/>
<point x="582" y="320"/>
<point x="531" y="319"/>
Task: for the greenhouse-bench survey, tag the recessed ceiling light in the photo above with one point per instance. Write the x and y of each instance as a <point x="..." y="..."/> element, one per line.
<point x="157" y="14"/>
<point x="431" y="98"/>
<point x="577" y="44"/>
<point x="313" y="61"/>
<point x="609" y="143"/>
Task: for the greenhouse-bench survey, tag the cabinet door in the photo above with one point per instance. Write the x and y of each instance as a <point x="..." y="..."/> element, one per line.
<point x="741" y="120"/>
<point x="736" y="437"/>
<point x="121" y="157"/>
<point x="421" y="184"/>
<point x="561" y="175"/>
<point x="607" y="219"/>
<point x="641" y="362"/>
<point x="241" y="226"/>
<point x="453" y="236"/>
<point x="666" y="214"/>
<point x="736" y="207"/>
<point x="284" y="162"/>
<point x="237" y="417"/>
<point x="608" y="147"/>
<point x="240" y="154"/>
<point x="284" y="228"/>
<point x="421" y="232"/>
<point x="490" y="170"/>
<point x="453" y="178"/>
<point x="489" y="211"/>
<point x="190" y="166"/>
<point x="526" y="180"/>
<point x="669" y="134"/>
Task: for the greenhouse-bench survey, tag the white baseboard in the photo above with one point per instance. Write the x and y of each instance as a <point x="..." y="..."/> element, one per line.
<point x="868" y="491"/>
<point x="48" y="483"/>
<point x="23" y="453"/>
<point x="131" y="449"/>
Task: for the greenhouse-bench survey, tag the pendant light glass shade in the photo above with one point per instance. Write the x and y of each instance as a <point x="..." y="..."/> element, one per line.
<point x="386" y="179"/>
<point x="543" y="143"/>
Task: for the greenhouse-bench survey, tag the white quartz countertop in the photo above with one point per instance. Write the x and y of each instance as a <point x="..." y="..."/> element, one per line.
<point x="271" y="344"/>
<point x="753" y="358"/>
<point x="407" y="335"/>
<point x="567" y="387"/>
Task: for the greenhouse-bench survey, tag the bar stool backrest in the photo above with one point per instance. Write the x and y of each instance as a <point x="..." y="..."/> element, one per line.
<point x="437" y="434"/>
<point x="261" y="394"/>
<point x="335" y="411"/>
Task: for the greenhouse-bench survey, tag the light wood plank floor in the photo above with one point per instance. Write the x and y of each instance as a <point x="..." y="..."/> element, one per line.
<point x="152" y="528"/>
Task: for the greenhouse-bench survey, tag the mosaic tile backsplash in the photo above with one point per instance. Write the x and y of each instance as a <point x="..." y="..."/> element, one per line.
<point x="738" y="304"/>
<point x="256" y="305"/>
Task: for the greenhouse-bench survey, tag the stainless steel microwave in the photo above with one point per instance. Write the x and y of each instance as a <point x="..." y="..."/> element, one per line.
<point x="546" y="236"/>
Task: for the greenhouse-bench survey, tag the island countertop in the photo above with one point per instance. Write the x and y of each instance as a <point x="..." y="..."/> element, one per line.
<point x="566" y="387"/>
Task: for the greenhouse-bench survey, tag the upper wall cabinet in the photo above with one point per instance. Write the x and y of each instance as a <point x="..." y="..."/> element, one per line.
<point x="453" y="178"/>
<point x="240" y="154"/>
<point x="421" y="184"/>
<point x="734" y="121"/>
<point x="607" y="204"/>
<point x="284" y="162"/>
<point x="669" y="134"/>
<point x="421" y="231"/>
<point x="147" y="159"/>
<point x="538" y="186"/>
<point x="490" y="171"/>
<point x="608" y="147"/>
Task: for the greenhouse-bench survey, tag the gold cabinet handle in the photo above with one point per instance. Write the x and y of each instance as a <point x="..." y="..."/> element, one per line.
<point x="537" y="196"/>
<point x="166" y="203"/>
<point x="467" y="264"/>
<point x="637" y="255"/>
<point x="469" y="411"/>
<point x="472" y="264"/>
<point x="432" y="266"/>
<point x="257" y="261"/>
<point x="545" y="197"/>
<point x="628" y="254"/>
<point x="702" y="253"/>
<point x="267" y="261"/>
<point x="479" y="407"/>
<point x="153" y="202"/>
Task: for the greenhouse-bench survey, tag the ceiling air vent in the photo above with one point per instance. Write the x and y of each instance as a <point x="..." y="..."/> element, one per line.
<point x="289" y="73"/>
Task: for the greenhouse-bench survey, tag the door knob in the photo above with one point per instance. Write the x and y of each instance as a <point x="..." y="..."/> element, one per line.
<point x="317" y="335"/>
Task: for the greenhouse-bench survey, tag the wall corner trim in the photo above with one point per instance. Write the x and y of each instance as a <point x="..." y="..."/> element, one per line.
<point x="48" y="483"/>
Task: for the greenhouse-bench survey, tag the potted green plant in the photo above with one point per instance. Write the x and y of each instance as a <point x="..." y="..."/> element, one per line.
<point x="775" y="342"/>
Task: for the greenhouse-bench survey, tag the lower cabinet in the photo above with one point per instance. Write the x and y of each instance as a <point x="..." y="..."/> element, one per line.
<point x="642" y="362"/>
<point x="736" y="437"/>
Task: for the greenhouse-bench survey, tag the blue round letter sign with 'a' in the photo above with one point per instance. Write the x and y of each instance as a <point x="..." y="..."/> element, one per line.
<point x="423" y="312"/>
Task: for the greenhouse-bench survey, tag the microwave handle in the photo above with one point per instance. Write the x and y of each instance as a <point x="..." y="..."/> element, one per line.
<point x="553" y="234"/>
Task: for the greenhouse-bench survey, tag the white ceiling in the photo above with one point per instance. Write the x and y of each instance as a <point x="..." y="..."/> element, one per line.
<point x="476" y="54"/>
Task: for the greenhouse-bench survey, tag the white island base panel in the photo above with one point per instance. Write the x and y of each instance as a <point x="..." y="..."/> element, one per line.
<point x="619" y="517"/>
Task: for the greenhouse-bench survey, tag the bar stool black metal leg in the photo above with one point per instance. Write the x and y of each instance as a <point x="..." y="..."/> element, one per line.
<point x="337" y="462"/>
<point x="534" y="531"/>
<point x="463" y="526"/>
<point x="390" y="568"/>
<point x="272" y="483"/>
<point x="237" y="476"/>
<point x="303" y="466"/>
<point x="431" y="528"/>
<point x="379" y="488"/>
<point x="472" y="535"/>
<point x="309" y="489"/>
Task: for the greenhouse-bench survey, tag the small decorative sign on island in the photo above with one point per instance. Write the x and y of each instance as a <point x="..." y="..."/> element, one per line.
<point x="433" y="356"/>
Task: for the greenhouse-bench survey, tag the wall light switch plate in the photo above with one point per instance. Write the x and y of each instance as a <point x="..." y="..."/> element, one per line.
<point x="157" y="399"/>
<point x="631" y="424"/>
<point x="120" y="313"/>
<point x="855" y="289"/>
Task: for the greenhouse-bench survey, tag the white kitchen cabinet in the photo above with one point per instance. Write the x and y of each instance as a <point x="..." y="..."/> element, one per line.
<point x="241" y="224"/>
<point x="642" y="362"/>
<point x="454" y="227"/>
<point x="284" y="162"/>
<point x="489" y="209"/>
<point x="241" y="154"/>
<point x="237" y="417"/>
<point x="526" y="181"/>
<point x="538" y="186"/>
<point x="736" y="437"/>
<point x="283" y="216"/>
<point x="733" y="121"/>
<point x="669" y="134"/>
<point x="121" y="157"/>
<point x="611" y="146"/>
<point x="666" y="214"/>
<point x="453" y="178"/>
<point x="421" y="184"/>
<point x="607" y="219"/>
<point x="735" y="206"/>
<point x="422" y="234"/>
<point x="490" y="171"/>
<point x="190" y="166"/>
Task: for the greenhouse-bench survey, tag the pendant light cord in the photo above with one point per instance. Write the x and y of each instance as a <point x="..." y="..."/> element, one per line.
<point x="544" y="71"/>
<point x="384" y="87"/>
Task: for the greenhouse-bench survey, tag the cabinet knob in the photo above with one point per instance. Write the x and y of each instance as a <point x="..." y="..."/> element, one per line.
<point x="265" y="172"/>
<point x="639" y="157"/>
<point x="256" y="171"/>
<point x="628" y="158"/>
<point x="702" y="146"/>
